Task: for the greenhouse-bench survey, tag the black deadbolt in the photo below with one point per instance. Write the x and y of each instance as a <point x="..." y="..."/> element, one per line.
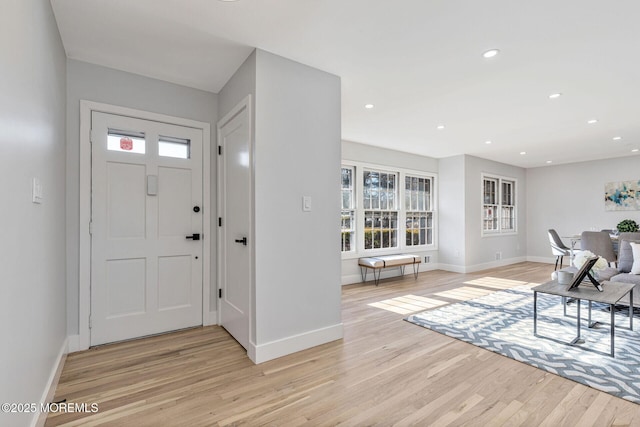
<point x="196" y="209"/>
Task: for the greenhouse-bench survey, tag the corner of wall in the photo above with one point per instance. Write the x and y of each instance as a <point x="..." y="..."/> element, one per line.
<point x="40" y="418"/>
<point x="293" y="344"/>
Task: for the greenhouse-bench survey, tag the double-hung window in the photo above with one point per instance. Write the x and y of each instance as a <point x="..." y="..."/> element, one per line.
<point x="380" y="204"/>
<point x="508" y="206"/>
<point x="386" y="210"/>
<point x="348" y="223"/>
<point x="418" y="210"/>
<point x="498" y="205"/>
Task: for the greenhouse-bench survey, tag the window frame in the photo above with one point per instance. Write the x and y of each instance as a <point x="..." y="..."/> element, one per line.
<point x="498" y="205"/>
<point x="430" y="211"/>
<point x="354" y="204"/>
<point x="380" y="211"/>
<point x="400" y="173"/>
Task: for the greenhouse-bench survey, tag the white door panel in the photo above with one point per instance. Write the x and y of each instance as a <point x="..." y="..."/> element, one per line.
<point x="146" y="276"/>
<point x="235" y="209"/>
<point x="126" y="188"/>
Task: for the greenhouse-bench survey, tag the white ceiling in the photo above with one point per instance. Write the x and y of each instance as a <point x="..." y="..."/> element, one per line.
<point x="418" y="61"/>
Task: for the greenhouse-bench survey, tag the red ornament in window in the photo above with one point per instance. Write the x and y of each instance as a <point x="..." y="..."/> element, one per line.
<point x="126" y="143"/>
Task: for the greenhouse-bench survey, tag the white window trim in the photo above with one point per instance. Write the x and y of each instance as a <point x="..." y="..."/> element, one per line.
<point x="402" y="247"/>
<point x="500" y="178"/>
<point x="354" y="199"/>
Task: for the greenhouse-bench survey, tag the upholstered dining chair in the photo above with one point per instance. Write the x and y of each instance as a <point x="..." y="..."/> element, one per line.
<point x="625" y="253"/>
<point x="598" y="242"/>
<point x="629" y="235"/>
<point x="559" y="249"/>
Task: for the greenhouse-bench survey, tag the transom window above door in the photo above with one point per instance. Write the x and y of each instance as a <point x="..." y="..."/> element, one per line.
<point x="136" y="143"/>
<point x="174" y="147"/>
<point x="126" y="141"/>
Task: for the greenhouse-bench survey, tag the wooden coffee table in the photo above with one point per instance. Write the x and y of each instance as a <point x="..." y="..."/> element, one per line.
<point x="613" y="292"/>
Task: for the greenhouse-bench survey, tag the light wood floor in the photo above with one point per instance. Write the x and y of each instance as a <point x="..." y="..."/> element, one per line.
<point x="384" y="372"/>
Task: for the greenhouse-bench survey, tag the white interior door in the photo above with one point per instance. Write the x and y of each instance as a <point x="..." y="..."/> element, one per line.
<point x="235" y="244"/>
<point x="146" y="199"/>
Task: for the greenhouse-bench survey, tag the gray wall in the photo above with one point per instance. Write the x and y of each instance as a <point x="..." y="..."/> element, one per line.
<point x="570" y="199"/>
<point x="451" y="214"/>
<point x="479" y="250"/>
<point x="239" y="86"/>
<point x="296" y="137"/>
<point x="95" y="83"/>
<point x="32" y="248"/>
<point x="380" y="156"/>
<point x="297" y="153"/>
<point x="461" y="246"/>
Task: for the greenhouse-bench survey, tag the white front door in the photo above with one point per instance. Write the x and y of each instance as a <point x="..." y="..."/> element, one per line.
<point x="146" y="200"/>
<point x="234" y="201"/>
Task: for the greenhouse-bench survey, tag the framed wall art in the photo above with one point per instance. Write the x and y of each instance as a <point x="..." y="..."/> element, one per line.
<point x="622" y="196"/>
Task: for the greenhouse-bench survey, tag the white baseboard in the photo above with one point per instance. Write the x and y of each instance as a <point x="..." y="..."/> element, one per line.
<point x="39" y="418"/>
<point x="210" y="318"/>
<point x="389" y="272"/>
<point x="542" y="259"/>
<point x="74" y="343"/>
<point x="494" y="264"/>
<point x="483" y="266"/>
<point x="274" y="349"/>
<point x="355" y="278"/>
<point x="452" y="267"/>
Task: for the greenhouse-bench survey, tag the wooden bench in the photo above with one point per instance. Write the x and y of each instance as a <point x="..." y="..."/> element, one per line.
<point x="383" y="261"/>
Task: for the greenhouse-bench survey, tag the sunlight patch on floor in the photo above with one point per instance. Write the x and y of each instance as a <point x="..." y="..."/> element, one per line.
<point x="495" y="282"/>
<point x="464" y="293"/>
<point x="407" y="304"/>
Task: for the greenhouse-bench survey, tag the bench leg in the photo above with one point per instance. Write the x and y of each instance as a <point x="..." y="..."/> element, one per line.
<point x="402" y="270"/>
<point x="377" y="278"/>
<point x="363" y="273"/>
<point x="416" y="268"/>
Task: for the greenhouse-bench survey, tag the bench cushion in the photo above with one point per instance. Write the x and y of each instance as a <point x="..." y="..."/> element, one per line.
<point x="383" y="261"/>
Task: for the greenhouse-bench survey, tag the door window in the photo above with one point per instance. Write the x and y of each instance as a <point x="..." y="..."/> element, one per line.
<point x="174" y="147"/>
<point x="126" y="142"/>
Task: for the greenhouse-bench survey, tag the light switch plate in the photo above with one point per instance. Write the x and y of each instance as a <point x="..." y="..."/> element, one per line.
<point x="306" y="203"/>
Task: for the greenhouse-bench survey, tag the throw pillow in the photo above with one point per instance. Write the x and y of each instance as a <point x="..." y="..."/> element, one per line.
<point x="635" y="247"/>
<point x="625" y="256"/>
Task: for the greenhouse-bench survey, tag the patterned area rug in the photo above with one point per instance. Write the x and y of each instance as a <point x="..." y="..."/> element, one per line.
<point x="503" y="323"/>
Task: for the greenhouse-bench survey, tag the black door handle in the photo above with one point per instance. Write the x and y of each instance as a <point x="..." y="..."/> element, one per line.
<point x="195" y="236"/>
<point x="243" y="241"/>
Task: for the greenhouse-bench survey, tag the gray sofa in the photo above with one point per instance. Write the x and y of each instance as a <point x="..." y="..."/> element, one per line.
<point x="622" y="272"/>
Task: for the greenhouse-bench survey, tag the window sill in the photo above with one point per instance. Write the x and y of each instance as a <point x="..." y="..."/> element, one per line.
<point x="498" y="234"/>
<point x="376" y="252"/>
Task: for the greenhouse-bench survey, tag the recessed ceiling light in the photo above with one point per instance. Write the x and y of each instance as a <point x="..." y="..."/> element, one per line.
<point x="368" y="106"/>
<point x="555" y="95"/>
<point x="522" y="153"/>
<point x="491" y="53"/>
<point x="487" y="142"/>
<point x="440" y="127"/>
<point x="635" y="150"/>
<point x="549" y="161"/>
<point x="592" y="121"/>
<point x="617" y="138"/>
